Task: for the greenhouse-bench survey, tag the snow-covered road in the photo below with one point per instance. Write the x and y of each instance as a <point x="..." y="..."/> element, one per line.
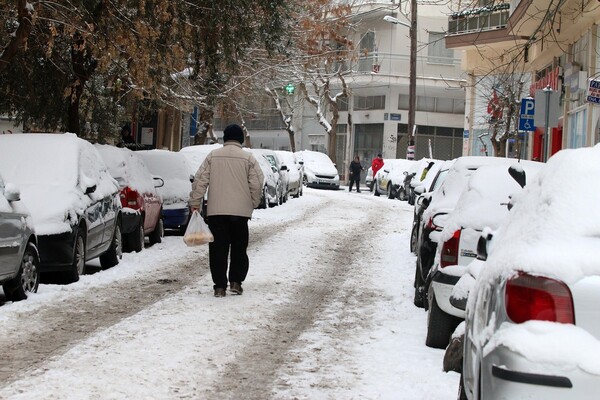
<point x="326" y="313"/>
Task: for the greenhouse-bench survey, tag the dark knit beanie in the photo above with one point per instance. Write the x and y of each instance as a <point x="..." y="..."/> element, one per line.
<point x="233" y="132"/>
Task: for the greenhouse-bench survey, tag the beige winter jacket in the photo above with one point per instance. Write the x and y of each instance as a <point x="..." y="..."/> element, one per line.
<point x="235" y="180"/>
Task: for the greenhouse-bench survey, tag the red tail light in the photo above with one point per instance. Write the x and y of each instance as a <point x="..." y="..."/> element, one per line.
<point x="450" y="250"/>
<point x="430" y="225"/>
<point x="129" y="198"/>
<point x="529" y="297"/>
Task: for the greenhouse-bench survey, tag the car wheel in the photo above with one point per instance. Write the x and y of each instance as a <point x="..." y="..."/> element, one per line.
<point x="376" y="190"/>
<point x="402" y="194"/>
<point x="78" y="266"/>
<point x="28" y="277"/>
<point x="158" y="232"/>
<point x="115" y="252"/>
<point x="419" y="297"/>
<point x="440" y="326"/>
<point x="390" y="190"/>
<point x="135" y="239"/>
<point x="413" y="238"/>
<point x="461" y="389"/>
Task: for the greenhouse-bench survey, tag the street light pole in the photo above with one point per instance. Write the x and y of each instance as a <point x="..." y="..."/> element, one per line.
<point x="412" y="83"/>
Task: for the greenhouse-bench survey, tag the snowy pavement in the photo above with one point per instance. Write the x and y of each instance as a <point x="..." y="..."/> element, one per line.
<point x="326" y="313"/>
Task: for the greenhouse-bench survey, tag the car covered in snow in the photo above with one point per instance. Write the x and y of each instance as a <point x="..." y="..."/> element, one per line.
<point x="282" y="173"/>
<point x="197" y="154"/>
<point x="319" y="170"/>
<point x="174" y="169"/>
<point x="271" y="194"/>
<point x="142" y="205"/>
<point x="532" y="317"/>
<point x="288" y="159"/>
<point x="482" y="205"/>
<point x="19" y="258"/>
<point x="389" y="180"/>
<point x="73" y="200"/>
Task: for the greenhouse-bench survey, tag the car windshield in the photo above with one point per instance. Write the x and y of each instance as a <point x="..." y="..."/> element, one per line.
<point x="439" y="179"/>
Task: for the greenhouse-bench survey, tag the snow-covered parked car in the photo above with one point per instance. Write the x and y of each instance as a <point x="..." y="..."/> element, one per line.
<point x="319" y="170"/>
<point x="532" y="320"/>
<point x="482" y="205"/>
<point x="19" y="258"/>
<point x="417" y="175"/>
<point x="389" y="179"/>
<point x="73" y="200"/>
<point x="288" y="159"/>
<point x="197" y="154"/>
<point x="142" y="205"/>
<point x="271" y="190"/>
<point x="174" y="169"/>
<point x="369" y="179"/>
<point x="282" y="172"/>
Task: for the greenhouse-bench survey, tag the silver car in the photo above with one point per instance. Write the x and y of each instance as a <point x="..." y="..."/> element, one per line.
<point x="19" y="258"/>
<point x="533" y="321"/>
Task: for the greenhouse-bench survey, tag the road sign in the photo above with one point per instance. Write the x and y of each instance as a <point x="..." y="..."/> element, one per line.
<point x="593" y="93"/>
<point x="546" y="101"/>
<point x="526" y="115"/>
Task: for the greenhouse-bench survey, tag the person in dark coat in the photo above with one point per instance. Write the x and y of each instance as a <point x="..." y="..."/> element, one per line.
<point x="354" y="173"/>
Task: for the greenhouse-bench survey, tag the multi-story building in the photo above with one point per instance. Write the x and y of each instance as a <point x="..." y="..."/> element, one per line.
<point x="556" y="43"/>
<point x="379" y="93"/>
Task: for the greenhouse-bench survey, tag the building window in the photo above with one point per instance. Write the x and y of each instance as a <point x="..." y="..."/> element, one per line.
<point x="369" y="102"/>
<point x="342" y="103"/>
<point x="367" y="48"/>
<point x="437" y="51"/>
<point x="341" y="129"/>
<point x="434" y="104"/>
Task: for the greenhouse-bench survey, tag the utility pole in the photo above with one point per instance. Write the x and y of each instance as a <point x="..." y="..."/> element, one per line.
<point x="412" y="88"/>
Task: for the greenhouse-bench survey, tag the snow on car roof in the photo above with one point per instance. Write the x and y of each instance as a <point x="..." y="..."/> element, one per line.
<point x="483" y="203"/>
<point x="554" y="227"/>
<point x="174" y="168"/>
<point x="52" y="171"/>
<point x="447" y="195"/>
<point x="127" y="168"/>
<point x="317" y="162"/>
<point x="197" y="154"/>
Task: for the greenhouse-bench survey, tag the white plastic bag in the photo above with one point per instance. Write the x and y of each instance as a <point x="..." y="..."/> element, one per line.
<point x="197" y="232"/>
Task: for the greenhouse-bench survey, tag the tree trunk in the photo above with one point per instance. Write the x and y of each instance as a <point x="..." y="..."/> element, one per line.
<point x="292" y="140"/>
<point x="84" y="64"/>
<point x="205" y="125"/>
<point x="21" y="35"/>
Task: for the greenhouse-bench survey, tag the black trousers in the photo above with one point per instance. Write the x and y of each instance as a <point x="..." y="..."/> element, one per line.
<point x="230" y="232"/>
<point x="357" y="180"/>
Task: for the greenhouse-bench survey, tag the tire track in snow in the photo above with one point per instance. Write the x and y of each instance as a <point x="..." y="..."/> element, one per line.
<point x="52" y="329"/>
<point x="255" y="371"/>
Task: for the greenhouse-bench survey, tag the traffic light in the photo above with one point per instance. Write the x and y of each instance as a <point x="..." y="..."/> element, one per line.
<point x="290" y="88"/>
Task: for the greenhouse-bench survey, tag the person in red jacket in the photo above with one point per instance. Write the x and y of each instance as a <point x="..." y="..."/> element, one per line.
<point x="376" y="164"/>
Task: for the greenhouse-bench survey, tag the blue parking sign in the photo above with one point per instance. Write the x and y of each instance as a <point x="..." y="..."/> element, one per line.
<point x="526" y="115"/>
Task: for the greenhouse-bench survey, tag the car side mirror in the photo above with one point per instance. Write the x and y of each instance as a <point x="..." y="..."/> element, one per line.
<point x="405" y="173"/>
<point x="518" y="174"/>
<point x="301" y="162"/>
<point x="159" y="182"/>
<point x="482" y="251"/>
<point x="90" y="189"/>
<point x="12" y="195"/>
<point x="284" y="168"/>
<point x="420" y="189"/>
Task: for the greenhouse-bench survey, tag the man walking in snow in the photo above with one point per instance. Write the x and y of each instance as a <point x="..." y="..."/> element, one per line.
<point x="235" y="181"/>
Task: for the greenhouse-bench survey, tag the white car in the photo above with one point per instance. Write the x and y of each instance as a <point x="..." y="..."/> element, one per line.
<point x="390" y="178"/>
<point x="288" y="159"/>
<point x="282" y="173"/>
<point x="532" y="320"/>
<point x="271" y="189"/>
<point x="319" y="170"/>
<point x="197" y="154"/>
<point x="483" y="204"/>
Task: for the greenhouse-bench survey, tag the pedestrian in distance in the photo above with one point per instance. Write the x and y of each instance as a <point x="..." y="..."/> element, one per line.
<point x="376" y="164"/>
<point x="126" y="136"/>
<point x="426" y="170"/>
<point x="354" y="173"/>
<point x="235" y="181"/>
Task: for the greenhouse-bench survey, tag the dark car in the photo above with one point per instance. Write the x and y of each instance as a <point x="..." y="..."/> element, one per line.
<point x="19" y="258"/>
<point x="73" y="200"/>
<point x="142" y="205"/>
